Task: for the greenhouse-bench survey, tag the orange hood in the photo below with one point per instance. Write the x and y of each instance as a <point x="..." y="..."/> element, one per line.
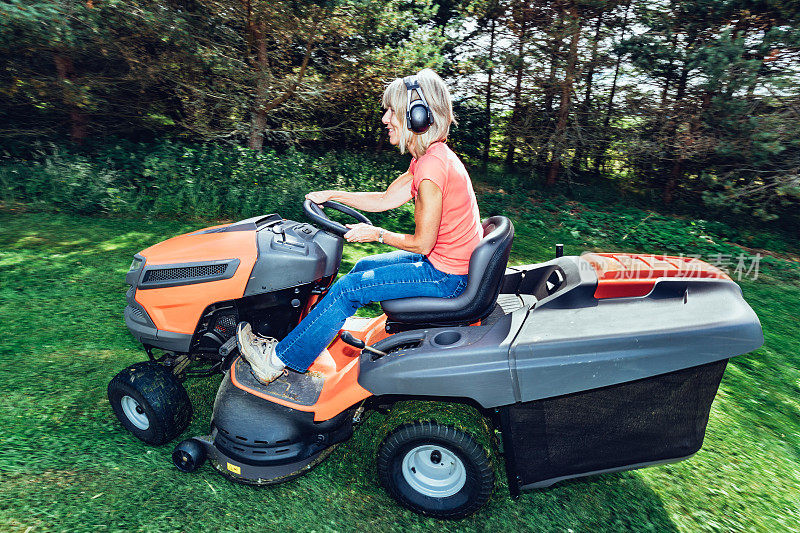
<point x="177" y="309"/>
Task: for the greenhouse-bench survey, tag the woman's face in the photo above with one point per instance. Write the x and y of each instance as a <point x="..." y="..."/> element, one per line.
<point x="393" y="125"/>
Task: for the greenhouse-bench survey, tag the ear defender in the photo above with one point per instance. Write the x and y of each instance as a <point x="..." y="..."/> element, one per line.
<point x="419" y="116"/>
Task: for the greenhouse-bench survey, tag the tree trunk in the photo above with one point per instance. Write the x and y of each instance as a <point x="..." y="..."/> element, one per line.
<point x="676" y="172"/>
<point x="549" y="89"/>
<point x="667" y="194"/>
<point x="542" y="157"/>
<point x="79" y="121"/>
<point x="604" y="134"/>
<point x="515" y="114"/>
<point x="566" y="93"/>
<point x="668" y="76"/>
<point x="258" y="122"/>
<point x="488" y="126"/>
<point x="583" y="118"/>
<point x="261" y="107"/>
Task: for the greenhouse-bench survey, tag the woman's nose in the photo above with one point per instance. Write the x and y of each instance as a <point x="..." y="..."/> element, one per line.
<point x="387" y="116"/>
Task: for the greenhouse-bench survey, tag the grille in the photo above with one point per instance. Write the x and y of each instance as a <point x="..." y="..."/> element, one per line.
<point x="135" y="311"/>
<point x="169" y="274"/>
<point x="226" y="325"/>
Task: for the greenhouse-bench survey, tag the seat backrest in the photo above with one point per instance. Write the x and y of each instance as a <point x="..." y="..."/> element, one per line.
<point x="487" y="266"/>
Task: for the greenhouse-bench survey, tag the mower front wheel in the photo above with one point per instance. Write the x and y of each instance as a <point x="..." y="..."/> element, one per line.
<point x="189" y="455"/>
<point x="150" y="402"/>
<point x="435" y="470"/>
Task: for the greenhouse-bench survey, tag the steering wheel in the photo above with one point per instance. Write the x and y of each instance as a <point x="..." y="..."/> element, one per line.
<point x="318" y="216"/>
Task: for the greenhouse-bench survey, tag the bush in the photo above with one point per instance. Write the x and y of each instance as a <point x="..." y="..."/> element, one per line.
<point x="195" y="181"/>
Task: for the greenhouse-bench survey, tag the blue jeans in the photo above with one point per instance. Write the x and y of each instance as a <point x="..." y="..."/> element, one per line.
<point x="375" y="278"/>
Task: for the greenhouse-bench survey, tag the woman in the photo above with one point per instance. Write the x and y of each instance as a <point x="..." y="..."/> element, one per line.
<point x="433" y="261"/>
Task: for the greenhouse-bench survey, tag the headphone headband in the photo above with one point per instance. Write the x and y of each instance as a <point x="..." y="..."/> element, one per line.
<point x="419" y="116"/>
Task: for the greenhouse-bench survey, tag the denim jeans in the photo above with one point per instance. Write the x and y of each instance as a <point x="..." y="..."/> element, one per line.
<point x="379" y="277"/>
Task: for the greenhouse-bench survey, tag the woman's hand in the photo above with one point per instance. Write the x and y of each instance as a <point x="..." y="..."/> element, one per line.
<point x="319" y="197"/>
<point x="361" y="232"/>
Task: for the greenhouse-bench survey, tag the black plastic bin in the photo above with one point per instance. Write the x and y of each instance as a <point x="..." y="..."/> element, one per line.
<point x="620" y="427"/>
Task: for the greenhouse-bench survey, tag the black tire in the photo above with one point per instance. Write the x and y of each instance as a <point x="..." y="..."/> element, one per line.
<point x="150" y="402"/>
<point x="189" y="455"/>
<point x="415" y="439"/>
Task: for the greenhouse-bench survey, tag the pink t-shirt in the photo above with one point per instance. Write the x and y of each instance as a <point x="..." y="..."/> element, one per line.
<point x="460" y="230"/>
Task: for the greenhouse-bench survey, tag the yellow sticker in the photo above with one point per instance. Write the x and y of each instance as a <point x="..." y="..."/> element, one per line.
<point x="235" y="469"/>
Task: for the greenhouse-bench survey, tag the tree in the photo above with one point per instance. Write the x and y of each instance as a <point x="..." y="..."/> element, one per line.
<point x="520" y="24"/>
<point x="81" y="66"/>
<point x="604" y="138"/>
<point x="570" y="13"/>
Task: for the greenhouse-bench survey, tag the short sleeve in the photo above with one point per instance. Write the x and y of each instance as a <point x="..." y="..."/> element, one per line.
<point x="430" y="168"/>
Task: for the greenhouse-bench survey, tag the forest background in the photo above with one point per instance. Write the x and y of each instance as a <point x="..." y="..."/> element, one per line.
<point x="133" y="106"/>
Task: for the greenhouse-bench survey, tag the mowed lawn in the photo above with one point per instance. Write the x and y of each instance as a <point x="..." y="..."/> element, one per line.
<point x="66" y="463"/>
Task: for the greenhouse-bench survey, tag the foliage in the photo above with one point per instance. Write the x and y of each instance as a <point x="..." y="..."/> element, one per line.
<point x="230" y="70"/>
<point x="77" y="67"/>
<point x="191" y="181"/>
<point x="729" y="133"/>
<point x="466" y="137"/>
<point x="209" y="182"/>
<point x="685" y="104"/>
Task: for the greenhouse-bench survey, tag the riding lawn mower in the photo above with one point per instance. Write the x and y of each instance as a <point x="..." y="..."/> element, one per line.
<point x="576" y="366"/>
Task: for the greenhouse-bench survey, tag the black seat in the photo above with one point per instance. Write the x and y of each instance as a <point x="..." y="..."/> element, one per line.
<point x="487" y="265"/>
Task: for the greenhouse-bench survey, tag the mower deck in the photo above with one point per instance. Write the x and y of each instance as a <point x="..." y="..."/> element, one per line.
<point x="255" y="474"/>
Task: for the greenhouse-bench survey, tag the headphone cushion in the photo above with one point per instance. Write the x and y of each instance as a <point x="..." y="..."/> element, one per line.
<point x="419" y="118"/>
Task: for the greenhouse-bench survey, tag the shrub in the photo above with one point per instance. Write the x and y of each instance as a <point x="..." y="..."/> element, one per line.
<point x="168" y="178"/>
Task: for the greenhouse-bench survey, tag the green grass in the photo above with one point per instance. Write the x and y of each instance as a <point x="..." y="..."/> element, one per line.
<point x="66" y="464"/>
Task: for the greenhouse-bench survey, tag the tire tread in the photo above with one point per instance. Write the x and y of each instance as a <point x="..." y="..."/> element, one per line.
<point x="467" y="445"/>
<point x="167" y="398"/>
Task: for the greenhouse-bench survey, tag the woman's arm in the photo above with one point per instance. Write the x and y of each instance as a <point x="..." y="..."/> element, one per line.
<point x="427" y="218"/>
<point x="398" y="193"/>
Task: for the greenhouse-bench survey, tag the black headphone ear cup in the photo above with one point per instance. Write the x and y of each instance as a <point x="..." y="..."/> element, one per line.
<point x="419" y="118"/>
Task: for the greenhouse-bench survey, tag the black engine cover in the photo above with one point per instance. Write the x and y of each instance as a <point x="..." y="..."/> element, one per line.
<point x="258" y="432"/>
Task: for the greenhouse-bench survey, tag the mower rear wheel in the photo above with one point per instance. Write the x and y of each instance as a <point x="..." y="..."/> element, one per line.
<point x="150" y="402"/>
<point x="435" y="470"/>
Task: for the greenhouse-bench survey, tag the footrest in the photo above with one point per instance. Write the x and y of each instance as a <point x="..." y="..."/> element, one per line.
<point x="302" y="389"/>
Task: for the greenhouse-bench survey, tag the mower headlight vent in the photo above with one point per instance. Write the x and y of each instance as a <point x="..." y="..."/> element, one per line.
<point x="170" y="274"/>
<point x="137" y="263"/>
<point x="160" y="276"/>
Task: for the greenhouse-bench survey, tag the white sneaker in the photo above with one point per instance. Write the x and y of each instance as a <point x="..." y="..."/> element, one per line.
<point x="260" y="353"/>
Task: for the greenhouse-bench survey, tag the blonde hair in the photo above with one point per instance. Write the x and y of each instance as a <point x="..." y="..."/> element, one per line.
<point x="438" y="97"/>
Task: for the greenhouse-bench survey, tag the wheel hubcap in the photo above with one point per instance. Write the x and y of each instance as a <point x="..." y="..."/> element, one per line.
<point x="434" y="471"/>
<point x="135" y="412"/>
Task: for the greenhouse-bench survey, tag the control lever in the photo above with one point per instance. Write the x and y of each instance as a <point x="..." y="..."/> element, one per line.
<point x="228" y="347"/>
<point x="277" y="229"/>
<point x="348" y="338"/>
